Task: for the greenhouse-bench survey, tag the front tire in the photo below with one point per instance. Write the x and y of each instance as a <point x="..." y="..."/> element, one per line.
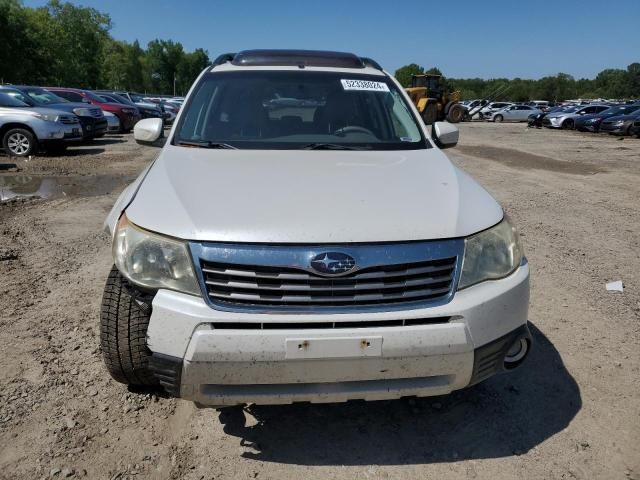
<point x="430" y="114"/>
<point x="456" y="113"/>
<point x="498" y="118"/>
<point x="19" y="142"/>
<point x="123" y="333"/>
<point x="568" y="125"/>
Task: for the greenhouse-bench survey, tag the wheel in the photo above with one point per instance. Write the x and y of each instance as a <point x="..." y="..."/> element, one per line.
<point x="498" y="118"/>
<point x="568" y="124"/>
<point x="19" y="142"/>
<point x="123" y="332"/>
<point x="456" y="113"/>
<point x="430" y="114"/>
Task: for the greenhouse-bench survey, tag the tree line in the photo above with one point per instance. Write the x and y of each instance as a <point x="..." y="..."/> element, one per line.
<point x="612" y="83"/>
<point x="62" y="44"/>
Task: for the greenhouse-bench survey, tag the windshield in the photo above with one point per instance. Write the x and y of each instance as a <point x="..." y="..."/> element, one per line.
<point x="93" y="97"/>
<point x="299" y="109"/>
<point x="8" y="100"/>
<point x="43" y="97"/>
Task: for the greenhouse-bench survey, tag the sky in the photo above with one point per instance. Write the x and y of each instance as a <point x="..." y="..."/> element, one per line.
<point x="464" y="38"/>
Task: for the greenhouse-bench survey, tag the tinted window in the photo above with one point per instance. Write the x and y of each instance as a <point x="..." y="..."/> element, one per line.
<point x="293" y="109"/>
<point x="8" y="100"/>
<point x="43" y="97"/>
<point x="71" y="96"/>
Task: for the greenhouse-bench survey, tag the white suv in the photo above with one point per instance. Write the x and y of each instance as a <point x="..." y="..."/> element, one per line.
<point x="302" y="237"/>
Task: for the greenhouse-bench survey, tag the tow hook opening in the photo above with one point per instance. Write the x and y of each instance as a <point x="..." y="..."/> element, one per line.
<point x="517" y="353"/>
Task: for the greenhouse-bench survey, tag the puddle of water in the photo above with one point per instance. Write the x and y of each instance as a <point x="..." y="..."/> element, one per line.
<point x="33" y="186"/>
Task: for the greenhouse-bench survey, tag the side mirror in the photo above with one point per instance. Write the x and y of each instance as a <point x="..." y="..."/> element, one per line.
<point x="445" y="134"/>
<point x="148" y="130"/>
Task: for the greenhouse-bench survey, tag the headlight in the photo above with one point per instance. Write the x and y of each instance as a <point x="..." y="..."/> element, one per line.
<point x="47" y="117"/>
<point x="619" y="122"/>
<point x="153" y="261"/>
<point x="82" y="112"/>
<point x="492" y="254"/>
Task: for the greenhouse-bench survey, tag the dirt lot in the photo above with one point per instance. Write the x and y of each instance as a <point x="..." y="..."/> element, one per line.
<point x="572" y="411"/>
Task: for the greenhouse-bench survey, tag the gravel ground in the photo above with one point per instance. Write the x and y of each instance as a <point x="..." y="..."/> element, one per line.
<point x="572" y="411"/>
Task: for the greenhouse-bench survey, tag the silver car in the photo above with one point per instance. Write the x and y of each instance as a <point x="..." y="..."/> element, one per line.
<point x="24" y="129"/>
<point x="492" y="108"/>
<point x="567" y="118"/>
<point x="513" y="113"/>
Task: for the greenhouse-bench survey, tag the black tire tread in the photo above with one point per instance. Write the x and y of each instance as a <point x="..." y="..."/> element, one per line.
<point x="123" y="332"/>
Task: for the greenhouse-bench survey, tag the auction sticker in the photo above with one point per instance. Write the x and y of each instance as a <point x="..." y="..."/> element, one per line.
<point x="366" y="85"/>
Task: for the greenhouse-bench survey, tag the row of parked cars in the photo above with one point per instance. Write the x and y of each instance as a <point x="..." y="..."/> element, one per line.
<point x="34" y="119"/>
<point x="611" y="117"/>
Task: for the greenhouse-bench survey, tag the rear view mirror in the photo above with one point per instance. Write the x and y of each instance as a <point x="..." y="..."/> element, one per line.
<point x="445" y="134"/>
<point x="148" y="130"/>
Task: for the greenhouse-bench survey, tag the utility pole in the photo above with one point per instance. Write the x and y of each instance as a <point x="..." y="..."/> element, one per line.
<point x="174" y="84"/>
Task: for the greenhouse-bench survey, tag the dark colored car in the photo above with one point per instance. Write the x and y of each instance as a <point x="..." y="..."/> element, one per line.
<point x="145" y="111"/>
<point x="620" y="124"/>
<point x="128" y="115"/>
<point x="591" y="123"/>
<point x="91" y="118"/>
<point x="535" y="119"/>
<point x="139" y="99"/>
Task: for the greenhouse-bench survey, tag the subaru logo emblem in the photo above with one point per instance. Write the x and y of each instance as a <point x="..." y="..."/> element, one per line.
<point x="332" y="263"/>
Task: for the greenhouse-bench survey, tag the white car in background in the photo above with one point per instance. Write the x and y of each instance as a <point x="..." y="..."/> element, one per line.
<point x="321" y="251"/>
<point x="493" y="107"/>
<point x="513" y="113"/>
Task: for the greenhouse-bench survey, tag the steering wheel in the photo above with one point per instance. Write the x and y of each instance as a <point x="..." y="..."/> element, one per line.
<point x="352" y="129"/>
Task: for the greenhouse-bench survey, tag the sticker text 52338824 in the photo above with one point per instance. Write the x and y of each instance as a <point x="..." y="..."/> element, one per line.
<point x="366" y="85"/>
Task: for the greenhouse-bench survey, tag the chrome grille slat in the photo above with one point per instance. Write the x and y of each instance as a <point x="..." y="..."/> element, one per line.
<point x="236" y="271"/>
<point x="332" y="299"/>
<point x="333" y="286"/>
<point x="286" y="286"/>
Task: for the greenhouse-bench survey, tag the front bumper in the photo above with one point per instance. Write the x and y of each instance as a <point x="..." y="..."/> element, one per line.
<point x="614" y="129"/>
<point x="93" y="126"/>
<point x="552" y="122"/>
<point x="207" y="356"/>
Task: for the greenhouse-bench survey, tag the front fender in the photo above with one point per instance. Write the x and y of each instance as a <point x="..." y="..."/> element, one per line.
<point x="123" y="201"/>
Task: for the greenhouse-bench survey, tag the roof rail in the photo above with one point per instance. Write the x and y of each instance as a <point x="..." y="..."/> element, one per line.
<point x="299" y="58"/>
<point x="370" y="62"/>
<point x="224" y="58"/>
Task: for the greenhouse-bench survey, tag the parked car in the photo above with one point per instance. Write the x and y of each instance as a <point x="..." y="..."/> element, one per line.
<point x="567" y="119"/>
<point x="140" y="100"/>
<point x="535" y="119"/>
<point x="269" y="300"/>
<point x="493" y="107"/>
<point x="113" y="122"/>
<point x="127" y="115"/>
<point x="147" y="110"/>
<point x="620" y="124"/>
<point x="513" y="113"/>
<point x="24" y="129"/>
<point x="591" y="122"/>
<point x="91" y="118"/>
<point x="635" y="128"/>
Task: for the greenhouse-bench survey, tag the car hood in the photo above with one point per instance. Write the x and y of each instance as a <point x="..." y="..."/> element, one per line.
<point x="66" y="106"/>
<point x="31" y="111"/>
<point x="294" y="196"/>
<point x="622" y="117"/>
<point x="150" y="106"/>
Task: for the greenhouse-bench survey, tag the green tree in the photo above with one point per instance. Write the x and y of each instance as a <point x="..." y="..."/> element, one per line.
<point x="403" y="74"/>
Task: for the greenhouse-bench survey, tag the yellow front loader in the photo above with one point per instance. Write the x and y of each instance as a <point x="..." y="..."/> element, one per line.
<point x="429" y="94"/>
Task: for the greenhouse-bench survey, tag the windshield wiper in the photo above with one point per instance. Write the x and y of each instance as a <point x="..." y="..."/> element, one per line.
<point x="205" y="144"/>
<point x="332" y="146"/>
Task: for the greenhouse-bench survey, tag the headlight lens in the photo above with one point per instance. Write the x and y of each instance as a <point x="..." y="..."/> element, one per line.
<point x="47" y="117"/>
<point x="82" y="112"/>
<point x="492" y="254"/>
<point x="153" y="261"/>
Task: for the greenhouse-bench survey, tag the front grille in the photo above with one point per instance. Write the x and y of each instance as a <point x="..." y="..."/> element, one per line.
<point x="67" y="119"/>
<point x="236" y="284"/>
<point x="546" y="121"/>
<point x="324" y="325"/>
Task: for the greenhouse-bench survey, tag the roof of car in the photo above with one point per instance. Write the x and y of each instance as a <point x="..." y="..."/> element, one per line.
<point x="296" y="59"/>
